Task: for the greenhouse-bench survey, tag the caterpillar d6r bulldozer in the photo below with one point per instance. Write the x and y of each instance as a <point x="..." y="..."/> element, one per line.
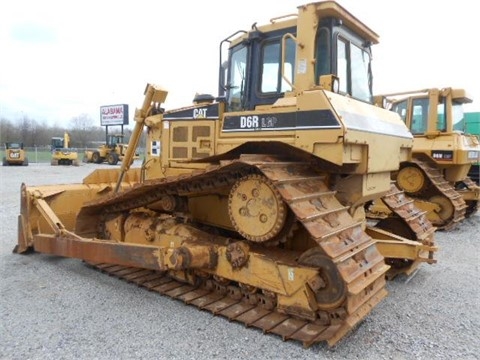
<point x="251" y="204"/>
<point x="437" y="175"/>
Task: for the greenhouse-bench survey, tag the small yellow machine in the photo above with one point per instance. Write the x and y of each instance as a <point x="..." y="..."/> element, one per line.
<point x="15" y="154"/>
<point x="62" y="154"/>
<point x="437" y="175"/>
<point x="251" y="204"/>
<point x="112" y="151"/>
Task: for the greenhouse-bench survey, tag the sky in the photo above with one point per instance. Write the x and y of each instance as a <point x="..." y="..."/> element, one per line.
<point x="63" y="59"/>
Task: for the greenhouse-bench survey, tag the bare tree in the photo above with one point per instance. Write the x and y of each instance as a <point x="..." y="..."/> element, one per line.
<point x="41" y="134"/>
<point x="26" y="126"/>
<point x="8" y="132"/>
<point x="81" y="122"/>
<point x="81" y="130"/>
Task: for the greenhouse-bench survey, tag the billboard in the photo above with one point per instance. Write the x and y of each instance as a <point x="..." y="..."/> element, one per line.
<point x="114" y="115"/>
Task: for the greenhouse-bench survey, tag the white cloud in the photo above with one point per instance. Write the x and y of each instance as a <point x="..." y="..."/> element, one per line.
<point x="69" y="58"/>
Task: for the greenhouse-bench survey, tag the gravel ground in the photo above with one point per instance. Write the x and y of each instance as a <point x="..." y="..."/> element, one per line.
<point x="56" y="308"/>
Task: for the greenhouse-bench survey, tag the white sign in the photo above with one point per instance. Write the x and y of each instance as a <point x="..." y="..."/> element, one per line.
<point x="114" y="115"/>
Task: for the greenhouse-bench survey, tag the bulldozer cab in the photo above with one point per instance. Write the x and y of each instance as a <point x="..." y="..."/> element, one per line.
<point x="277" y="79"/>
<point x="435" y="117"/>
<point x="432" y="111"/>
<point x="271" y="61"/>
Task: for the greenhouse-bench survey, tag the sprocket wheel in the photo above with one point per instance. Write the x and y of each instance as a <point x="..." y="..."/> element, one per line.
<point x="256" y="208"/>
<point x="411" y="179"/>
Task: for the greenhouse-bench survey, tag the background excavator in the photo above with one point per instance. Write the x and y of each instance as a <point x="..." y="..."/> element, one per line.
<point x="62" y="153"/>
<point x="437" y="175"/>
<point x="251" y="204"/>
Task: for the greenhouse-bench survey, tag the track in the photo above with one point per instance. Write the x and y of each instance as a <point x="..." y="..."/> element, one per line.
<point x="409" y="222"/>
<point x="220" y="302"/>
<point x="339" y="237"/>
<point x="415" y="219"/>
<point x="440" y="187"/>
<point x="472" y="205"/>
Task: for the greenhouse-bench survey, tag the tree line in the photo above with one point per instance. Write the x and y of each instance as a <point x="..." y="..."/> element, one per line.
<point x="83" y="133"/>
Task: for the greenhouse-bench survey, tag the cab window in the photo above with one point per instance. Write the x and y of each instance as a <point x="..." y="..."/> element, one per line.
<point x="401" y="109"/>
<point x="420" y="116"/>
<point x="353" y="70"/>
<point x="237" y="78"/>
<point x="271" y="67"/>
<point x="322" y="64"/>
<point x="441" y="117"/>
<point x="458" y="116"/>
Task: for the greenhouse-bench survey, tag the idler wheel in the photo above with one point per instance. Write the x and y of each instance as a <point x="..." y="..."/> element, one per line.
<point x="332" y="290"/>
<point x="256" y="209"/>
<point x="446" y="208"/>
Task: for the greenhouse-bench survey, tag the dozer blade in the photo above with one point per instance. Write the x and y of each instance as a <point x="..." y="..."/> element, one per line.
<point x="48" y="209"/>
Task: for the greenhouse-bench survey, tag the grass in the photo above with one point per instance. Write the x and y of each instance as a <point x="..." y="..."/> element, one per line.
<point x="38" y="156"/>
<point x="42" y="156"/>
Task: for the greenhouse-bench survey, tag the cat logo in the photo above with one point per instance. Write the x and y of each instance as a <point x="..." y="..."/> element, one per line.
<point x="200" y="113"/>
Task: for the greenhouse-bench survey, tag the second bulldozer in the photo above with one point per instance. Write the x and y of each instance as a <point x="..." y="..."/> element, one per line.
<point x="437" y="175"/>
<point x="251" y="204"/>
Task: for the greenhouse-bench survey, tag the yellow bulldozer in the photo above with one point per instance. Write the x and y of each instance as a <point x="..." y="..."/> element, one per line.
<point x="251" y="204"/>
<point x="15" y="154"/>
<point x="62" y="153"/>
<point x="437" y="175"/>
<point x="471" y="125"/>
<point x="112" y="151"/>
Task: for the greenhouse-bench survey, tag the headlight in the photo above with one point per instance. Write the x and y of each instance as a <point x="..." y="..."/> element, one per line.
<point x="336" y="85"/>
